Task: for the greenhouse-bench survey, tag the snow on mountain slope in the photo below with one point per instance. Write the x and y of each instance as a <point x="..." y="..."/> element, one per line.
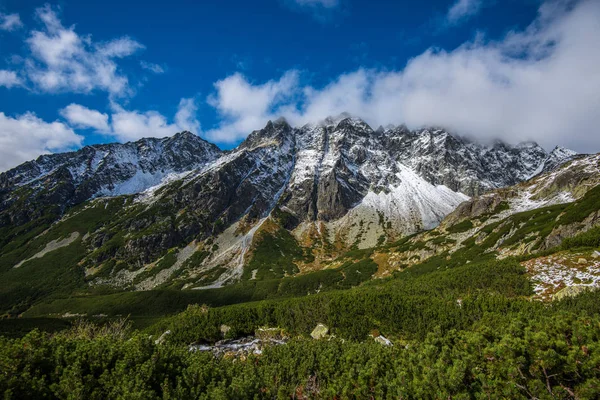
<point x="415" y="197"/>
<point x="406" y="207"/>
<point x="337" y="179"/>
<point x="559" y="186"/>
<point x="557" y="157"/>
<point x="62" y="180"/>
<point x="568" y="182"/>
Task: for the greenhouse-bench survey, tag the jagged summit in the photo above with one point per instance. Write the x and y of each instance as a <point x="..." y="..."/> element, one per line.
<point x="277" y="130"/>
<point x="558" y="156"/>
<point x="317" y="172"/>
<point x="527" y="144"/>
<point x="334" y="120"/>
<point x="280" y="121"/>
<point x="562" y="152"/>
<point x="337" y="183"/>
<point x="185" y="135"/>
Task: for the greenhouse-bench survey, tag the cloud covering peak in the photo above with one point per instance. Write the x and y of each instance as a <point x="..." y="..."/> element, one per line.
<point x="542" y="84"/>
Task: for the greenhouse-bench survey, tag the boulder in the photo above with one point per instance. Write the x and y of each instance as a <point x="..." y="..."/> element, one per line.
<point x="383" y="340"/>
<point x="162" y="337"/>
<point x="225" y="329"/>
<point x="267" y="333"/>
<point x="319" y="332"/>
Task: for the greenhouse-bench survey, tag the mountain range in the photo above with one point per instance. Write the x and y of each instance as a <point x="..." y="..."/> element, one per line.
<point x="322" y="170"/>
<point x="179" y="212"/>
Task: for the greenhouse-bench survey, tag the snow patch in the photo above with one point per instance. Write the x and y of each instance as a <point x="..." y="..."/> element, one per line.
<point x="409" y="206"/>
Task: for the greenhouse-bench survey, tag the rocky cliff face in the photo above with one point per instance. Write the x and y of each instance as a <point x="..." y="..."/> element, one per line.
<point x="566" y="182"/>
<point x="334" y="165"/>
<point x="336" y="184"/>
<point x="58" y="181"/>
<point x="461" y="165"/>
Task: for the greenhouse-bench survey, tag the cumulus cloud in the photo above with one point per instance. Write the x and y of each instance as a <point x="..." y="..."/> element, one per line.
<point x="9" y="78"/>
<point x="128" y="125"/>
<point x="243" y="105"/>
<point x="10" y="22"/>
<point x="26" y="136"/>
<point x="83" y="117"/>
<point x="64" y="61"/>
<point x="132" y="125"/>
<point x="540" y="84"/>
<point x="462" y="10"/>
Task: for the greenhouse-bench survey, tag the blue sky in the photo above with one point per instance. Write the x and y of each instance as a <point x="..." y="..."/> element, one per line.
<point x="82" y="72"/>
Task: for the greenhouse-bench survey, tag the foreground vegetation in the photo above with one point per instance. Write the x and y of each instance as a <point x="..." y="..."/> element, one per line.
<point x="548" y="357"/>
<point x="465" y="332"/>
<point x="461" y="321"/>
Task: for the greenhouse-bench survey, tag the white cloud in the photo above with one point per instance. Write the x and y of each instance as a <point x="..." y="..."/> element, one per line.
<point x="185" y="118"/>
<point x="126" y="125"/>
<point x="83" y="117"/>
<point x="542" y="83"/>
<point x="9" y="78"/>
<point x="119" y="48"/>
<point x="243" y="105"/>
<point x="463" y="9"/>
<point x="157" y="69"/>
<point x="10" y="22"/>
<point x="64" y="61"/>
<point x="133" y="125"/>
<point x="25" y="137"/>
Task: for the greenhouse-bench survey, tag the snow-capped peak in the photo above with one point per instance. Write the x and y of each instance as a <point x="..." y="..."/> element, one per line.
<point x="560" y="152"/>
<point x="317" y="172"/>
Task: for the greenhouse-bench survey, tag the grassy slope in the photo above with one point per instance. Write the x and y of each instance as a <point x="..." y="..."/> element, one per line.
<point x="460" y="330"/>
<point x="58" y="287"/>
<point x="58" y="272"/>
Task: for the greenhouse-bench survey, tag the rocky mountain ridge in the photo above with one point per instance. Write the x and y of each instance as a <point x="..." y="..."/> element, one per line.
<point x="436" y="155"/>
<point x="181" y="207"/>
<point x="66" y="179"/>
<point x="531" y="217"/>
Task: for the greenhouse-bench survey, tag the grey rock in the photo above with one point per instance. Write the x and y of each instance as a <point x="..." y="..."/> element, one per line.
<point x="319" y="332"/>
<point x="383" y="340"/>
<point x="225" y="329"/>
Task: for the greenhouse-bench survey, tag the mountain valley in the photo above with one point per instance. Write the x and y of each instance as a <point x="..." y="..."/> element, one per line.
<point x="390" y="244"/>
